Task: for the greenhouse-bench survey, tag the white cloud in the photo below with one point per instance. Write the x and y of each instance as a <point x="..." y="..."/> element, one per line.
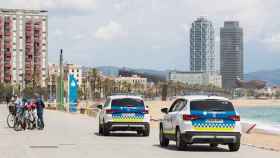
<point x="152" y="24"/>
<point x="273" y="42"/>
<point x="112" y="30"/>
<point x="51" y="4"/>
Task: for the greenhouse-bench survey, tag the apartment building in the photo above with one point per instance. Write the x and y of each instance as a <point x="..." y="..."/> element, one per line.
<point x="192" y="78"/>
<point x="23" y="46"/>
<point x="231" y="53"/>
<point x="202" y="46"/>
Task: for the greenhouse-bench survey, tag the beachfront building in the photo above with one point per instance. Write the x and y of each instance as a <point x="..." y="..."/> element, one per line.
<point x="193" y="78"/>
<point x="53" y="74"/>
<point x="231" y="60"/>
<point x="202" y="46"/>
<point x="23" y="46"/>
<point x="134" y="81"/>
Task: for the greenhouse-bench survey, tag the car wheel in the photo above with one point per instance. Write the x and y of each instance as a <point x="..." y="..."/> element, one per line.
<point x="139" y="132"/>
<point x="180" y="144"/>
<point x="146" y="132"/>
<point x="105" y="130"/>
<point x="162" y="139"/>
<point x="213" y="145"/>
<point x="234" y="146"/>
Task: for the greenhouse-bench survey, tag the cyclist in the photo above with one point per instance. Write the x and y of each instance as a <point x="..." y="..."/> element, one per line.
<point x="20" y="109"/>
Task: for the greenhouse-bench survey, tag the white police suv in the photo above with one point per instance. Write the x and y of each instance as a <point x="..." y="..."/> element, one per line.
<point x="124" y="113"/>
<point x="201" y="119"/>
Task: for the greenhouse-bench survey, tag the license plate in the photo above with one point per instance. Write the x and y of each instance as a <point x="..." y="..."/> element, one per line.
<point x="215" y="121"/>
<point x="128" y="115"/>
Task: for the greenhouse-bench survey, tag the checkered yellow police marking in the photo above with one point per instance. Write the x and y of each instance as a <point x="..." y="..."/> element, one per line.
<point x="128" y="117"/>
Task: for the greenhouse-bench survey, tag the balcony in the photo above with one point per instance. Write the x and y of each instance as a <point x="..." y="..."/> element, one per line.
<point x="8" y="45"/>
<point x="28" y="60"/>
<point x="8" y="78"/>
<point x="28" y="46"/>
<point x="8" y="57"/>
<point x="7" y="33"/>
<point x="7" y="66"/>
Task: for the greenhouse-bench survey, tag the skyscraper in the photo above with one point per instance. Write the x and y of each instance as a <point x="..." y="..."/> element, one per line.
<point x="23" y="46"/>
<point x="202" y="46"/>
<point x="231" y="53"/>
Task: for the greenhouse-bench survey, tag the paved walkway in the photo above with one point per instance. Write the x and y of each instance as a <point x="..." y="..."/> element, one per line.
<point x="74" y="136"/>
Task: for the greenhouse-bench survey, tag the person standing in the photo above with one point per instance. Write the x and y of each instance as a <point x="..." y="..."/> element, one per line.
<point x="8" y="99"/>
<point x="40" y="111"/>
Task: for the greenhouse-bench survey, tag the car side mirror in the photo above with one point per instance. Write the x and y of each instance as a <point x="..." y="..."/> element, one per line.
<point x="99" y="107"/>
<point x="164" y="110"/>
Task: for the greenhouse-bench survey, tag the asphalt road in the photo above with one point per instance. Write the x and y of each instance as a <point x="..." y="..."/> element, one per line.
<point x="75" y="136"/>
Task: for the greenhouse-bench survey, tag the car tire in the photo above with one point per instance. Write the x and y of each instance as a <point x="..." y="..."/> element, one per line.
<point x="180" y="144"/>
<point x="213" y="145"/>
<point x="139" y="132"/>
<point x="234" y="146"/>
<point x="163" y="141"/>
<point x="105" y="130"/>
<point x="146" y="132"/>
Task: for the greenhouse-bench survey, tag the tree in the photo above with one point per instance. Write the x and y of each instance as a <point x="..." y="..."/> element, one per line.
<point x="108" y="86"/>
<point x="81" y="93"/>
<point x="92" y="78"/>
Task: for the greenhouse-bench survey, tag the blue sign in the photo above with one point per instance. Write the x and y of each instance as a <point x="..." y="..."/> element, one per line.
<point x="72" y="93"/>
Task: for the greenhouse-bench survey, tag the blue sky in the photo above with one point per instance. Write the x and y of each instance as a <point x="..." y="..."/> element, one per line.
<point x="153" y="34"/>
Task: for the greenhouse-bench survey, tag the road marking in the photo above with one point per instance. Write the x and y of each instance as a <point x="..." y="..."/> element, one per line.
<point x="67" y="144"/>
<point x="44" y="146"/>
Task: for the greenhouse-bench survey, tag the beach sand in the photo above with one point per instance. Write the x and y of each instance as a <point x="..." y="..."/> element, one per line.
<point x="256" y="102"/>
<point x="260" y="140"/>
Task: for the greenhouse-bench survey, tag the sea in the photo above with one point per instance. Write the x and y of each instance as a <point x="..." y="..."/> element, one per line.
<point x="264" y="116"/>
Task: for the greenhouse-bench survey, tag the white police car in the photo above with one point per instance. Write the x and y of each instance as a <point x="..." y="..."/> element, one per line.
<point x="201" y="119"/>
<point x="124" y="113"/>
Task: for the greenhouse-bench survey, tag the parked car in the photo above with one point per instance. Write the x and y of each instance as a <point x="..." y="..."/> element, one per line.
<point x="124" y="113"/>
<point x="201" y="119"/>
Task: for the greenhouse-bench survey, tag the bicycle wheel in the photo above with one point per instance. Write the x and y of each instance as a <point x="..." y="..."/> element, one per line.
<point x="23" y="123"/>
<point x="11" y="121"/>
<point x="17" y="124"/>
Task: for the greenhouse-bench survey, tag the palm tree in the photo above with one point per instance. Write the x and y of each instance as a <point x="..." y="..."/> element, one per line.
<point x="92" y="78"/>
<point x="108" y="86"/>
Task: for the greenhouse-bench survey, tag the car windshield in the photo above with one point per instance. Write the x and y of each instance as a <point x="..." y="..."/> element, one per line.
<point x="211" y="105"/>
<point x="129" y="102"/>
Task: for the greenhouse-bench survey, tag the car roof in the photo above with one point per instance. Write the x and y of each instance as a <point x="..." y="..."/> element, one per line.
<point x="124" y="96"/>
<point x="201" y="97"/>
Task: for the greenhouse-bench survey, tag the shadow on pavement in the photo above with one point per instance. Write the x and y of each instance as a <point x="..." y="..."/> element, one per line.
<point x="194" y="148"/>
<point x="117" y="134"/>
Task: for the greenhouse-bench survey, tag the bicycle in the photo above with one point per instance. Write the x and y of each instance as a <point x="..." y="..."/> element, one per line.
<point x="20" y="119"/>
<point x="11" y="116"/>
<point x="31" y="116"/>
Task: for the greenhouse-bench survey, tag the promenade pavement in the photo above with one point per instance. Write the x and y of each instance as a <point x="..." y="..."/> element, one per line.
<point x="75" y="136"/>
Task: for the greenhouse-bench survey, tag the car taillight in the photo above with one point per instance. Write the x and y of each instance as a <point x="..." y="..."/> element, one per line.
<point x="109" y="111"/>
<point x="234" y="117"/>
<point x="190" y="117"/>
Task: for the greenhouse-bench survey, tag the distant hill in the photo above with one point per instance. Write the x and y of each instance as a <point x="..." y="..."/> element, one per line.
<point x="272" y="77"/>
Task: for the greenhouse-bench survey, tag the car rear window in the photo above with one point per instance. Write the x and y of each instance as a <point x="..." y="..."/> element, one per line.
<point x="128" y="102"/>
<point x="211" y="105"/>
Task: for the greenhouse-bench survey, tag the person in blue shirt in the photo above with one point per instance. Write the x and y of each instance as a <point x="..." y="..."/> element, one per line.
<point x="40" y="105"/>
